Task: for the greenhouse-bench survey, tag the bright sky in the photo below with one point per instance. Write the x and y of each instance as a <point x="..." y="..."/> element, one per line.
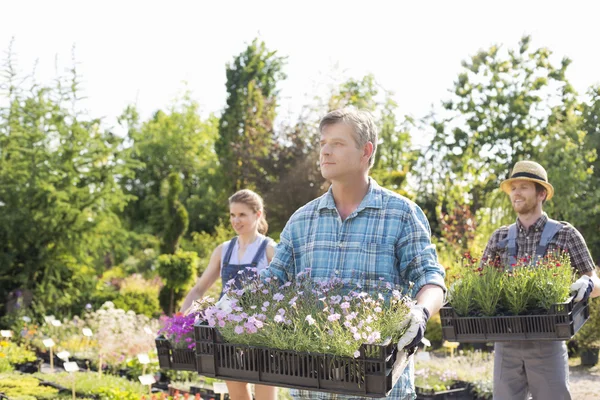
<point x="143" y="51"/>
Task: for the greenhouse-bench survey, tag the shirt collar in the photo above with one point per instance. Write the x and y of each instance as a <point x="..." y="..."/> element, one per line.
<point x="373" y="198"/>
<point x="537" y="226"/>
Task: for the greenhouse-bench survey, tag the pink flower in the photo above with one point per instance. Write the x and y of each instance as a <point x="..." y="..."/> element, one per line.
<point x="333" y="317"/>
<point x="239" y="329"/>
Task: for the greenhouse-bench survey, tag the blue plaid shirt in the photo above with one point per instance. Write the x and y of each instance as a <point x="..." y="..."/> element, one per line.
<point x="387" y="236"/>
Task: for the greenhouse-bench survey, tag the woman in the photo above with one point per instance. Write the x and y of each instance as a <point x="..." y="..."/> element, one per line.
<point x="250" y="248"/>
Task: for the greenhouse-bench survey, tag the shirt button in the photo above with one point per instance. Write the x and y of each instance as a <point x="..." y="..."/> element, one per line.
<point x="341" y="244"/>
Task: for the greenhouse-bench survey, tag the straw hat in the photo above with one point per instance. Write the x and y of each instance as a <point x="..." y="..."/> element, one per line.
<point x="529" y="171"/>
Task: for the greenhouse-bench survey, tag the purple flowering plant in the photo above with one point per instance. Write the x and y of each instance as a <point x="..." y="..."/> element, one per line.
<point x="333" y="316"/>
<point x="179" y="329"/>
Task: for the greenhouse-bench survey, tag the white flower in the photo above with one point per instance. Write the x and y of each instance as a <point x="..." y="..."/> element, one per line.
<point x="310" y="319"/>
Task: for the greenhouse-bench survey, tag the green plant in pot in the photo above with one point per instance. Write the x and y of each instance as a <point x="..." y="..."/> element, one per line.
<point x="588" y="337"/>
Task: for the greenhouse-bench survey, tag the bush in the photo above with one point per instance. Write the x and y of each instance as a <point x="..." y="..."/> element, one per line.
<point x="21" y="387"/>
<point x="433" y="332"/>
<point x="107" y="387"/>
<point x="588" y="336"/>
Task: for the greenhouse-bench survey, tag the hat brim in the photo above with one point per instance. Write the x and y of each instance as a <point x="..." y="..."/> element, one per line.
<point x="505" y="185"/>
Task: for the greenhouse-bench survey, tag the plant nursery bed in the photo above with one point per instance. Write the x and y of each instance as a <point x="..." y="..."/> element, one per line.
<point x="459" y="391"/>
<point x="372" y="374"/>
<point x="561" y="322"/>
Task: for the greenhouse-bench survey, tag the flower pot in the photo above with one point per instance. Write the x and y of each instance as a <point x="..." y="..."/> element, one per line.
<point x="589" y="357"/>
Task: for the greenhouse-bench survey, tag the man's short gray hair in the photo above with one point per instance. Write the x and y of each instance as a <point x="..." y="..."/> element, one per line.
<point x="362" y="123"/>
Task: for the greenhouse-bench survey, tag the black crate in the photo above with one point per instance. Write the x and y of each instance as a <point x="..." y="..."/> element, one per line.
<point x="560" y="323"/>
<point x="373" y="374"/>
<point x="173" y="358"/>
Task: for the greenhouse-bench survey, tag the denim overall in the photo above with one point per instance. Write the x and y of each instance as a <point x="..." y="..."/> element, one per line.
<point x="522" y="367"/>
<point x="240" y="271"/>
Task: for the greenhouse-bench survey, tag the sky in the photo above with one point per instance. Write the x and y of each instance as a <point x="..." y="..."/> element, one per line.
<point x="148" y="53"/>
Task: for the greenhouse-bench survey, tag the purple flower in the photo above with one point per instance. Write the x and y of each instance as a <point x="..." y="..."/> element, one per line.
<point x="278" y="318"/>
<point x="265" y="291"/>
<point x="239" y="329"/>
<point x="356" y="354"/>
<point x="278" y="297"/>
<point x="266" y="304"/>
<point x="345" y="305"/>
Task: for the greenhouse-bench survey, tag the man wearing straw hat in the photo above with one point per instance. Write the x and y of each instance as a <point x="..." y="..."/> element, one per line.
<point x="539" y="368"/>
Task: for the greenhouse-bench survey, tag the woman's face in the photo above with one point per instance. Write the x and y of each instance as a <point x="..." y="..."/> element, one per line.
<point x="243" y="219"/>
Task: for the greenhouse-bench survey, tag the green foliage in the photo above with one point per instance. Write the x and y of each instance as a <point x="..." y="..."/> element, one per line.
<point x="528" y="287"/>
<point x="588" y="337"/>
<point x="16" y="354"/>
<point x="246" y="126"/>
<point x="178" y="271"/>
<point x="108" y="387"/>
<point x="178" y="141"/>
<point x="59" y="172"/>
<point x="23" y="387"/>
<point x="175" y="216"/>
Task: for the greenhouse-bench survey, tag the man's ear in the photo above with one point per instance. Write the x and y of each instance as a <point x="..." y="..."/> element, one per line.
<point x="368" y="150"/>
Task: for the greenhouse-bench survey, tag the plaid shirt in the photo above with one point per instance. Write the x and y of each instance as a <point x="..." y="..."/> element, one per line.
<point x="567" y="238"/>
<point x="387" y="238"/>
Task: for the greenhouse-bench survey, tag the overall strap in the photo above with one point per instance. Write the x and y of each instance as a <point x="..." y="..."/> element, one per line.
<point x="229" y="251"/>
<point x="512" y="245"/>
<point x="260" y="252"/>
<point x="550" y="230"/>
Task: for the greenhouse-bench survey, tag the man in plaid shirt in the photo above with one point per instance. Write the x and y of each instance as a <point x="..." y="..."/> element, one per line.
<point x="540" y="368"/>
<point x="361" y="233"/>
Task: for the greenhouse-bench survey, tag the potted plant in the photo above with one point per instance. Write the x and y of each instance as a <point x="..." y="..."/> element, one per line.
<point x="175" y="343"/>
<point x="588" y="337"/>
<point x="528" y="301"/>
<point x="321" y="335"/>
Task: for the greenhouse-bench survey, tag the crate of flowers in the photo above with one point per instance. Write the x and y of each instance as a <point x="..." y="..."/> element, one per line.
<point x="529" y="301"/>
<point x="306" y="335"/>
<point x="175" y="344"/>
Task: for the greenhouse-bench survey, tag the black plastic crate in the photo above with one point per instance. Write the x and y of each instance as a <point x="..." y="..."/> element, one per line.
<point x="172" y="358"/>
<point x="373" y="374"/>
<point x="459" y="391"/>
<point x="560" y="323"/>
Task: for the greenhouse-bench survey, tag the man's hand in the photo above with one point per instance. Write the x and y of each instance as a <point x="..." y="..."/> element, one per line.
<point x="583" y="286"/>
<point x="416" y="320"/>
<point x="224" y="304"/>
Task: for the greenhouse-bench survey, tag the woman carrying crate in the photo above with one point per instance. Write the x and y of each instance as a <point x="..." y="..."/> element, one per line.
<point x="249" y="252"/>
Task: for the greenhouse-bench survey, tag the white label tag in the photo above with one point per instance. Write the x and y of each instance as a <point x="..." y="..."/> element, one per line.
<point x="6" y="333"/>
<point x="143" y="358"/>
<point x="147" y="379"/>
<point x="87" y="332"/>
<point x="220" y="387"/>
<point x="71" y="366"/>
<point x="48" y="342"/>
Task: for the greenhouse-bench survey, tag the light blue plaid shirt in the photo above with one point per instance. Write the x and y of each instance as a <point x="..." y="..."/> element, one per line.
<point x="387" y="236"/>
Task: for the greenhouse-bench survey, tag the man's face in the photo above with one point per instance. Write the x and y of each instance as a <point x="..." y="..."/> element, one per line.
<point x="340" y="156"/>
<point x="524" y="197"/>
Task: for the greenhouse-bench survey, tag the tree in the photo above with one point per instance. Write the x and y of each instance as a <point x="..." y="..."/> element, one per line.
<point x="59" y="191"/>
<point x="175" y="141"/>
<point x="246" y="126"/>
<point x="498" y="115"/>
<point x="175" y="216"/>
